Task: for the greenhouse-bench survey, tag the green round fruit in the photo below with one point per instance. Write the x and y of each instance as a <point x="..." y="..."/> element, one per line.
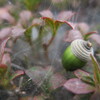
<point x="76" y="55"/>
<point x="70" y="61"/>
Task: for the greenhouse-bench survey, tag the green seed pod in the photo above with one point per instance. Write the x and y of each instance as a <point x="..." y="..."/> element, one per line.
<point x="77" y="54"/>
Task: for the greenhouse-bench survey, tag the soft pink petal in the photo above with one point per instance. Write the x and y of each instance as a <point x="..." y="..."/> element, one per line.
<point x="78" y="87"/>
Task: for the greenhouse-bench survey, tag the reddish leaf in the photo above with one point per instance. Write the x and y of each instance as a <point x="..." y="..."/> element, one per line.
<point x="80" y="73"/>
<point x="3" y="69"/>
<point x="96" y="38"/>
<point x="65" y="15"/>
<point x="90" y="33"/>
<point x="5" y="15"/>
<point x="87" y="35"/>
<point x="17" y="74"/>
<point x="57" y="80"/>
<point x="62" y="17"/>
<point x="6" y="59"/>
<point x="4" y="33"/>
<point x="78" y="87"/>
<point x="3" y="66"/>
<point x="66" y="22"/>
<point x="2" y="47"/>
<point x="54" y="24"/>
<point x="72" y="24"/>
<point x="72" y="35"/>
<point x="25" y="15"/>
<point x="46" y="13"/>
<point x="83" y="27"/>
<point x="17" y="31"/>
<point x="8" y="50"/>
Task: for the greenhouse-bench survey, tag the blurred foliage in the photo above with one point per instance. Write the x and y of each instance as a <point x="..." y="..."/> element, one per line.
<point x="40" y="33"/>
<point x="31" y="4"/>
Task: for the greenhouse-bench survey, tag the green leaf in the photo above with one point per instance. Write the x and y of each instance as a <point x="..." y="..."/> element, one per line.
<point x="17" y="74"/>
<point x="50" y="23"/>
<point x="96" y="70"/>
<point x="87" y="35"/>
<point x="31" y="4"/>
<point x="89" y="80"/>
<point x="55" y="24"/>
<point x="3" y="70"/>
<point x="28" y="33"/>
<point x="4" y="76"/>
<point x="80" y="73"/>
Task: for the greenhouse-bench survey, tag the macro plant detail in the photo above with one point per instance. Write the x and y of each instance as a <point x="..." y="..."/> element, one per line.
<point x="86" y="82"/>
<point x="6" y="76"/>
<point x="78" y="52"/>
<point x="49" y="50"/>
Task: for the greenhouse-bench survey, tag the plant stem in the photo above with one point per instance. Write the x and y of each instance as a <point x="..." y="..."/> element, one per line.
<point x="46" y="46"/>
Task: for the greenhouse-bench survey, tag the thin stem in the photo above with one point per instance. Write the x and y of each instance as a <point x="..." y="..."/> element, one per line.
<point x="50" y="41"/>
<point x="46" y="46"/>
